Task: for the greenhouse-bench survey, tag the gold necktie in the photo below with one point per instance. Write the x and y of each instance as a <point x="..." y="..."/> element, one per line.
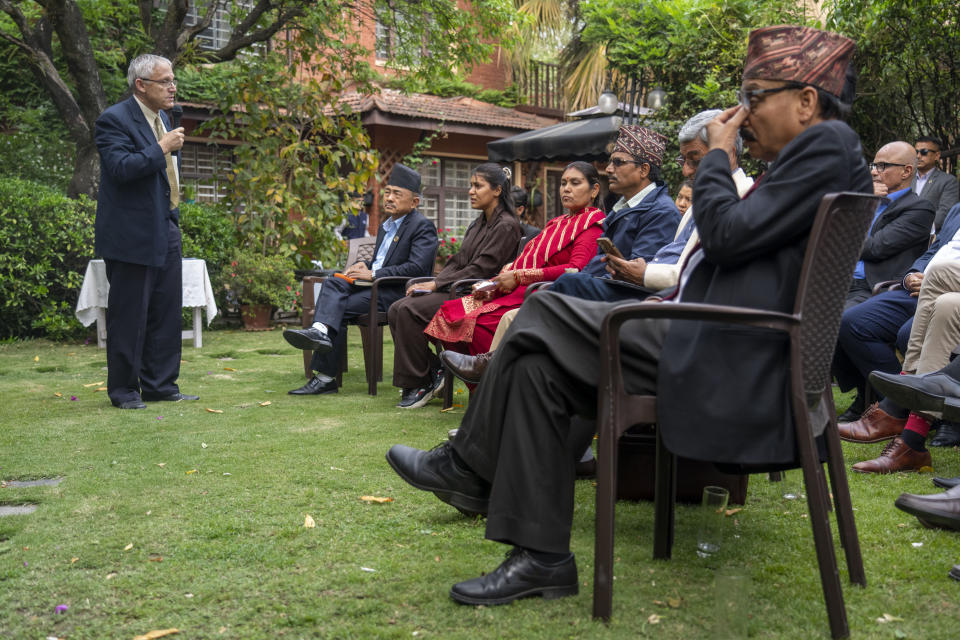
<point x="171" y="169"/>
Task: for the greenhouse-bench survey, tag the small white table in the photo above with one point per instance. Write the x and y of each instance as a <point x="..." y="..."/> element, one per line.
<point x="197" y="295"/>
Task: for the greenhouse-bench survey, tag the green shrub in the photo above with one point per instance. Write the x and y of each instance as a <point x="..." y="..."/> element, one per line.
<point x="208" y="233"/>
<point x="47" y="240"/>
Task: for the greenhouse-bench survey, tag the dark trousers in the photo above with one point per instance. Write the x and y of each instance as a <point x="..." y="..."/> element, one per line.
<point x="340" y="301"/>
<point x="860" y="291"/>
<point x="587" y="287"/>
<point x="517" y="432"/>
<point x="413" y="359"/>
<point x="870" y="334"/>
<point x="144" y="324"/>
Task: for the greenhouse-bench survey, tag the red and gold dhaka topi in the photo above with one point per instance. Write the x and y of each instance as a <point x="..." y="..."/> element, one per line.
<point x="567" y="243"/>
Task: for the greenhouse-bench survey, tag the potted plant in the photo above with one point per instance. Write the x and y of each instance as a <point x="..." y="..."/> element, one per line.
<point x="260" y="284"/>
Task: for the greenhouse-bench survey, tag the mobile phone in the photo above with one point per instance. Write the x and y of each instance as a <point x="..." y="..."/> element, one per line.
<point x="419" y="292"/>
<point x="485" y="285"/>
<point x="606" y="245"/>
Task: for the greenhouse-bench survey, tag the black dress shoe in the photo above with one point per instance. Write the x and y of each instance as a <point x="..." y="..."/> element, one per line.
<point x="308" y="339"/>
<point x="170" y="397"/>
<point x="130" y="404"/>
<point x="438" y="471"/>
<point x="316" y="385"/>
<point x="416" y="398"/>
<point x="939" y="510"/>
<point x="955" y="572"/>
<point x="948" y="435"/>
<point x="918" y="393"/>
<point x="519" y="576"/>
<point x="854" y="411"/>
<point x="586" y="468"/>
<point x="468" y="368"/>
<point x="946" y="483"/>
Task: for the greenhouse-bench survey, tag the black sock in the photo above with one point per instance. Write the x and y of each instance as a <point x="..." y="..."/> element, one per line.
<point x="894" y="410"/>
<point x="460" y="462"/>
<point x="914" y="440"/>
<point x="548" y="558"/>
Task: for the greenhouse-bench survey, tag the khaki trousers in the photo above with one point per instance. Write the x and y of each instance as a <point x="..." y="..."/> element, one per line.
<point x="936" y="325"/>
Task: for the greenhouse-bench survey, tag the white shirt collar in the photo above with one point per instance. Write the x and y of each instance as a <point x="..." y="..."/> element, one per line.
<point x="636" y="199"/>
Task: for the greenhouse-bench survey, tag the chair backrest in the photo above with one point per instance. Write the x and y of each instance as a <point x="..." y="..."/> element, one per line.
<point x="834" y="246"/>
<point x="360" y="249"/>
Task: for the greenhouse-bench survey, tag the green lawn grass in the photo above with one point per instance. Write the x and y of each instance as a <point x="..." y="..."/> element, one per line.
<point x="214" y="505"/>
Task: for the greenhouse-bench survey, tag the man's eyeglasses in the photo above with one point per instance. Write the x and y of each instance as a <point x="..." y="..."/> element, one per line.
<point x="693" y="161"/>
<point x="166" y="84"/>
<point x="619" y="162"/>
<point x="880" y="167"/>
<point x="923" y="152"/>
<point x="750" y="98"/>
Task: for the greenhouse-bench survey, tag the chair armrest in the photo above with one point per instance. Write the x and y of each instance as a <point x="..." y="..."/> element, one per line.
<point x="375" y="290"/>
<point x="458" y="287"/>
<point x="886" y="285"/>
<point x="536" y="286"/>
<point x="610" y="371"/>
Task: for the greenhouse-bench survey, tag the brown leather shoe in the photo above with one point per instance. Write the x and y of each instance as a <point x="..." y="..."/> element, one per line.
<point x="937" y="510"/>
<point x="875" y="425"/>
<point x="468" y="368"/>
<point x="896" y="456"/>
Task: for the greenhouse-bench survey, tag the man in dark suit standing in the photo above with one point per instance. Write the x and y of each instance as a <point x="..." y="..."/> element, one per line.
<point x="900" y="231"/>
<point x="406" y="246"/>
<point x="932" y="184"/>
<point x="722" y="392"/>
<point x="138" y="236"/>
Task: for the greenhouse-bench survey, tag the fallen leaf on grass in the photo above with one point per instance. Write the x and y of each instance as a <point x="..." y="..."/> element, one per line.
<point x="72" y="560"/>
<point x="337" y="469"/>
<point x="36" y="358"/>
<point x="674" y="603"/>
<point x="61" y="608"/>
<point x="128" y="547"/>
<point x="885" y="618"/>
<point x="111" y="576"/>
<point x="917" y="545"/>
<point x="265" y="403"/>
<point x="375" y="499"/>
<point x="229" y="369"/>
<point x="94" y="384"/>
<point x="58" y="394"/>
<point x="309" y="522"/>
<point x="901" y="525"/>
<point x="155" y="558"/>
<point x="203" y="445"/>
<point x="730" y="512"/>
<point x="158" y="633"/>
<point x="446" y="410"/>
<point x="368" y="569"/>
<point x="191" y="471"/>
<point x="161" y="464"/>
<point x="653" y="619"/>
<point x="209" y="410"/>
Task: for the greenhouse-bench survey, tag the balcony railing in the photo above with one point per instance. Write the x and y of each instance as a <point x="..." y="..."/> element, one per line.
<point x="540" y="85"/>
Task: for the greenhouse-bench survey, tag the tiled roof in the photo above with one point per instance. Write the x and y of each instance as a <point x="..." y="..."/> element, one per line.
<point x="457" y="109"/>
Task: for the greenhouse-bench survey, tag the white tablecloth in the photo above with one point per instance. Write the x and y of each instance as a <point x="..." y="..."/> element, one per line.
<point x="197" y="291"/>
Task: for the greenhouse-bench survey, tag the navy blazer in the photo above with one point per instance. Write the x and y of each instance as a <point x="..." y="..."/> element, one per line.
<point x="413" y="250"/>
<point x="133" y="205"/>
<point x="951" y="225"/>
<point x="899" y="236"/>
<point x="640" y="231"/>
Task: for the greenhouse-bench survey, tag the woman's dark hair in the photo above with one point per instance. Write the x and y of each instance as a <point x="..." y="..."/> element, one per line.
<point x="520" y="197"/>
<point x="686" y="183"/>
<point x="497" y="176"/>
<point x="590" y="173"/>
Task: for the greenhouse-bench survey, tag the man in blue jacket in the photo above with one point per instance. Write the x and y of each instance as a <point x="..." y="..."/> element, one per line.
<point x="138" y="237"/>
<point x="406" y="246"/>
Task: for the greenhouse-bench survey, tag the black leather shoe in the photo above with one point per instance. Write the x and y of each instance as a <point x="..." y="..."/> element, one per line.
<point x="946" y="483"/>
<point x="586" y="468"/>
<point x="917" y="393"/>
<point x="468" y="368"/>
<point x="955" y="572"/>
<point x="308" y="339"/>
<point x="853" y="412"/>
<point x="416" y="398"/>
<point x="130" y="404"/>
<point x="437" y="471"/>
<point x="948" y="435"/>
<point x="317" y="385"/>
<point x="172" y="397"/>
<point x="519" y="576"/>
<point x="938" y="510"/>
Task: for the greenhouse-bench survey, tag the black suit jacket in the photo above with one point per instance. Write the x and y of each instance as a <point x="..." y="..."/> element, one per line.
<point x="722" y="390"/>
<point x="412" y="251"/>
<point x="942" y="190"/>
<point x="899" y="236"/>
<point x="133" y="204"/>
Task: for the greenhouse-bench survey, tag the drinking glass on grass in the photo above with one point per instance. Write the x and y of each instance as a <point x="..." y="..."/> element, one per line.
<point x="710" y="531"/>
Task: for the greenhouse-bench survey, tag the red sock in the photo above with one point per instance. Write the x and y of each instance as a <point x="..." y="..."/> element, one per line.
<point x="917" y="424"/>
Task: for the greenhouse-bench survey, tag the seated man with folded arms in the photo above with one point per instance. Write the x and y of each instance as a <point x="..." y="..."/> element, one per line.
<point x="513" y="457"/>
<point x="644" y="277"/>
<point x="406" y="246"/>
<point x="489" y="243"/>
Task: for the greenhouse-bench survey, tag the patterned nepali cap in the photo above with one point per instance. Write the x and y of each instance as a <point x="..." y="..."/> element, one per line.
<point x="642" y="143"/>
<point x="799" y="54"/>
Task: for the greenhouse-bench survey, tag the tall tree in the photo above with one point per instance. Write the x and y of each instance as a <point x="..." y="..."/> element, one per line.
<point x="79" y="49"/>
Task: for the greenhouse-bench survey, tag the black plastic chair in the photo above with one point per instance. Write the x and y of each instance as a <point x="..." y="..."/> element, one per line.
<point x="832" y="251"/>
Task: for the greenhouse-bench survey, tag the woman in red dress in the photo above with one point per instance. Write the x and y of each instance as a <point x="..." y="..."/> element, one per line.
<point x="566" y="244"/>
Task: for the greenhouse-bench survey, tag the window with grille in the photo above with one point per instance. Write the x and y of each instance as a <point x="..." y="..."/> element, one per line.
<point x="446" y="186"/>
<point x="205" y="168"/>
<point x="218" y="33"/>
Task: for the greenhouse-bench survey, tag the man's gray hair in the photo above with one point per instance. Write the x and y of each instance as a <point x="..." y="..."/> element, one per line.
<point x="144" y="66"/>
<point x="696" y="127"/>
